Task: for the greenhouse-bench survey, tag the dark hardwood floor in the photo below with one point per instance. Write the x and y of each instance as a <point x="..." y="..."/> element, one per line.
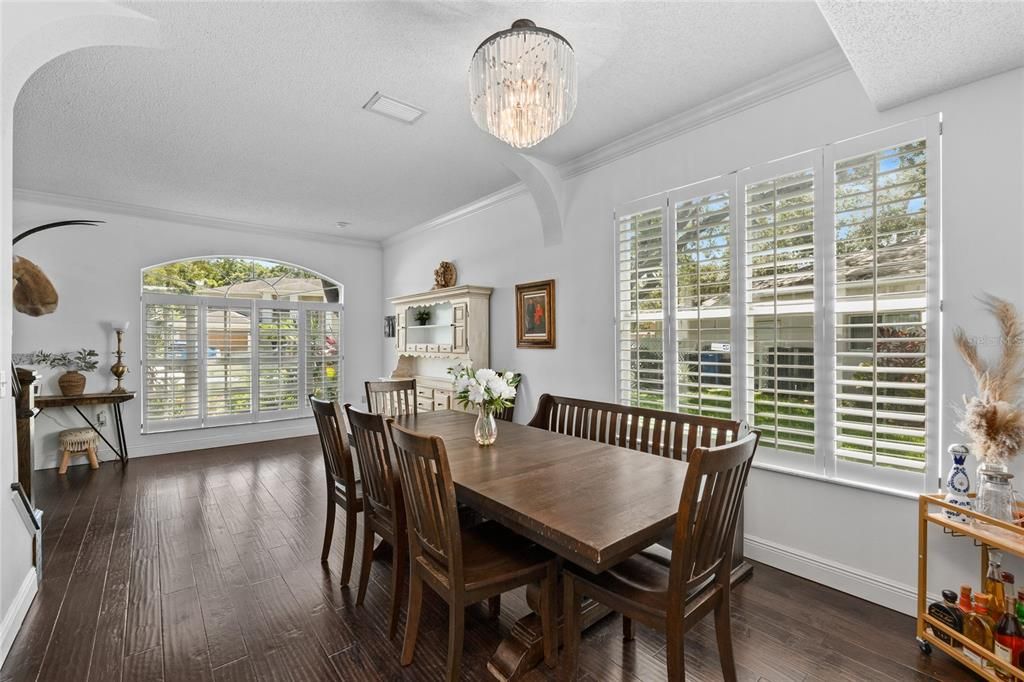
<point x="205" y="566"/>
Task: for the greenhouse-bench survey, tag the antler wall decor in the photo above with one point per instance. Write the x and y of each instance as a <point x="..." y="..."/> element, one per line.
<point x="34" y="293"/>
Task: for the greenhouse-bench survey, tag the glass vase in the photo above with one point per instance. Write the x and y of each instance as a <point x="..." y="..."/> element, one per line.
<point x="486" y="429"/>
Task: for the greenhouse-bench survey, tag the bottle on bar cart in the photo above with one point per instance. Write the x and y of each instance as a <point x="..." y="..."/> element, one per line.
<point x="1009" y="637"/>
<point x="980" y="629"/>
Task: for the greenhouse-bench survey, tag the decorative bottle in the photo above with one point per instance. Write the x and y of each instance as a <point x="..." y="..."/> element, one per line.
<point x="1009" y="634"/>
<point x="994" y="586"/>
<point x="958" y="484"/>
<point x="948" y="613"/>
<point x="966" y="605"/>
<point x="980" y="629"/>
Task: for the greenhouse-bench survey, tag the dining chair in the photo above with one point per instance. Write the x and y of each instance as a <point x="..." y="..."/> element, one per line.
<point x="674" y="596"/>
<point x="342" y="488"/>
<point x="462" y="566"/>
<point x="392" y="398"/>
<point x="383" y="510"/>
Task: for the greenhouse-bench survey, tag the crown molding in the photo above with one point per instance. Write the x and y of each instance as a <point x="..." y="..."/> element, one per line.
<point x="783" y="82"/>
<point x="464" y="211"/>
<point x="169" y="215"/>
<point x="817" y="68"/>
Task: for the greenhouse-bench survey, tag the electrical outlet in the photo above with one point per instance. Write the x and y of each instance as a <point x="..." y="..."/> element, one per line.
<point x="101" y="418"/>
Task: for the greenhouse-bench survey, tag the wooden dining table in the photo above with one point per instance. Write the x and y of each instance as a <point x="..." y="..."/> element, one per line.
<point x="589" y="503"/>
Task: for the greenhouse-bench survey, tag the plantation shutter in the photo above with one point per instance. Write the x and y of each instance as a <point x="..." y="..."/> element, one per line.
<point x="884" y="292"/>
<point x="171" y="386"/>
<point x="277" y="335"/>
<point x="323" y="352"/>
<point x="641" y="309"/>
<point x="779" y="255"/>
<point x="703" y="300"/>
<point x="228" y="362"/>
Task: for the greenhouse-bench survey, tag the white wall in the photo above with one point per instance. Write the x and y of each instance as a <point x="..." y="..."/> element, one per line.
<point x="97" y="273"/>
<point x="861" y="541"/>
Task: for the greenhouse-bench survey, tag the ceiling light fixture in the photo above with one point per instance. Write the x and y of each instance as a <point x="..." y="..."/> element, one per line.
<point x="522" y="84"/>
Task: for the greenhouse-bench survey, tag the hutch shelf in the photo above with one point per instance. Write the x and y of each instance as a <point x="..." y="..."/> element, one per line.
<point x="455" y="326"/>
<point x="985" y="532"/>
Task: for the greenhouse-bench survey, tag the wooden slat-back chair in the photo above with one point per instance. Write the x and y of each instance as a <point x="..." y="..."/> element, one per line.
<point x="383" y="509"/>
<point x="462" y="566"/>
<point x="676" y="597"/>
<point x="656" y="432"/>
<point x="342" y="488"/>
<point x="395" y="398"/>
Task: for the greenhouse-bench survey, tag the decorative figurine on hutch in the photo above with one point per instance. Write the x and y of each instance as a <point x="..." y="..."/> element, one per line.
<point x="958" y="484"/>
<point x="444" y="275"/>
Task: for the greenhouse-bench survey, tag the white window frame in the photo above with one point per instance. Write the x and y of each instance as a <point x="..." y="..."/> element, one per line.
<point x="645" y="205"/>
<point x="255" y="416"/>
<point x="813" y="160"/>
<point x="824" y="464"/>
<point x="929" y="128"/>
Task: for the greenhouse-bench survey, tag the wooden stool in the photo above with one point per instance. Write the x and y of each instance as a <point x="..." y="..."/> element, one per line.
<point x="78" y="442"/>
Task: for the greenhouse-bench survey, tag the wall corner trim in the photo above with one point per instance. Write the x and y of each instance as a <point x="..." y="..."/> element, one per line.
<point x="172" y="216"/>
<point x="16" y="613"/>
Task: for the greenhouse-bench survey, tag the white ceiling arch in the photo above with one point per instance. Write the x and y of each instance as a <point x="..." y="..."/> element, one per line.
<point x="253" y="110"/>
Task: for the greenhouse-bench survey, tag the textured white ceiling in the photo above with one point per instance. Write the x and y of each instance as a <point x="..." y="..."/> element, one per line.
<point x="253" y="110"/>
<point x="902" y="51"/>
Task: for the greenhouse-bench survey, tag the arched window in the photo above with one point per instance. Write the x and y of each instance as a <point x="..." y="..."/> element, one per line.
<point x="236" y="340"/>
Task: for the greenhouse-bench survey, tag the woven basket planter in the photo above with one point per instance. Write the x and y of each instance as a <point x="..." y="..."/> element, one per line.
<point x="72" y="383"/>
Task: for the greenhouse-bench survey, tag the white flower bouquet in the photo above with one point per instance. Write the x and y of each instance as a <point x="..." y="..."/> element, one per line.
<point x="483" y="388"/>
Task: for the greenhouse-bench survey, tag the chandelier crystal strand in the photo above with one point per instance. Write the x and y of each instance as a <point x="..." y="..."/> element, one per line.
<point x="522" y="84"/>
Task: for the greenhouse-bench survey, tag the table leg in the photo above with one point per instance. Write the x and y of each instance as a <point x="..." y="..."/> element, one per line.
<point x="523" y="648"/>
<point x="120" y="432"/>
<point x="121" y="440"/>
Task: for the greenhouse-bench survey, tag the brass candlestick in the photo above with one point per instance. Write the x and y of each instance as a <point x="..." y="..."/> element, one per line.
<point x="119" y="369"/>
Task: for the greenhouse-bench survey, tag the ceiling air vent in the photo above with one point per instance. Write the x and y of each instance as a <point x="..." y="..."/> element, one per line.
<point x="393" y="108"/>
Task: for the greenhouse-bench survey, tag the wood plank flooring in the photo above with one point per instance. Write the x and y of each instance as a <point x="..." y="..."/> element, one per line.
<point x="205" y="566"/>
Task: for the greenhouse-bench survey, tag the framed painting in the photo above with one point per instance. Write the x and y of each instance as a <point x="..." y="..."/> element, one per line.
<point x="535" y="314"/>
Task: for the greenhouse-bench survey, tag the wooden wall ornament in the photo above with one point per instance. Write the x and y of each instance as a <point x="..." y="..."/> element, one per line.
<point x="445" y="275"/>
<point x="535" y="314"/>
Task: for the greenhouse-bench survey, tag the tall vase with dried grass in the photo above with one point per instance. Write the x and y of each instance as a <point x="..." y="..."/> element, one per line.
<point x="994" y="418"/>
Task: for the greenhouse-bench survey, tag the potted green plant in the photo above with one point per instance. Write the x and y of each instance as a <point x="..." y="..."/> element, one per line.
<point x="72" y="382"/>
<point x="423" y="316"/>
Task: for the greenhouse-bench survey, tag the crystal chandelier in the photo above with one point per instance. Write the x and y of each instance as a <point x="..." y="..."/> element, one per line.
<point x="522" y="84"/>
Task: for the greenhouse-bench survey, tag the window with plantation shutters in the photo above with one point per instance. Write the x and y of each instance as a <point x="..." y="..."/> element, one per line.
<point x="228" y="361"/>
<point x="802" y="297"/>
<point x="323" y="357"/>
<point x="882" y="325"/>
<point x="641" y="309"/>
<point x="236" y="341"/>
<point x="277" y="343"/>
<point x="703" y="298"/>
<point x="780" y="310"/>
<point x="172" y="364"/>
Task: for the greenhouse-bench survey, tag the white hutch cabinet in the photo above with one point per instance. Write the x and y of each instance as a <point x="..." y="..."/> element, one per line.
<point x="458" y="328"/>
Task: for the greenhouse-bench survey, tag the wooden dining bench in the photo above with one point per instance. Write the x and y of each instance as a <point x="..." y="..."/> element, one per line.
<point x="656" y="432"/>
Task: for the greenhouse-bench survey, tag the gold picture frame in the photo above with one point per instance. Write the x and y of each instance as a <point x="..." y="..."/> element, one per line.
<point x="535" y="314"/>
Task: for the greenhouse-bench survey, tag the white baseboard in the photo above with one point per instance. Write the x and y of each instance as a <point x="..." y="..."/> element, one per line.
<point x="199" y="439"/>
<point x="868" y="586"/>
<point x="16" y="613"/>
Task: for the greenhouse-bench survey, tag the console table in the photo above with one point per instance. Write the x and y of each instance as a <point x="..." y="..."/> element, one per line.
<point x="76" y="401"/>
